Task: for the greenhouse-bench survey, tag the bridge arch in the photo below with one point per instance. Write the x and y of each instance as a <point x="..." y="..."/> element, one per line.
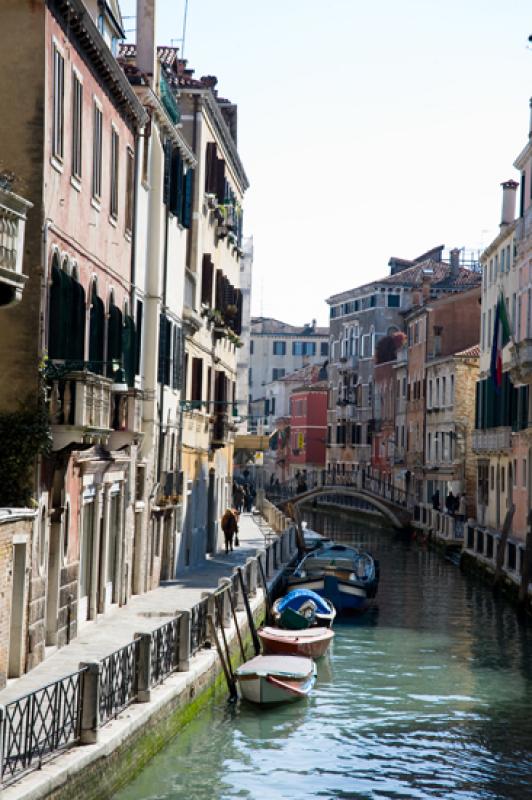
<point x="398" y="517"/>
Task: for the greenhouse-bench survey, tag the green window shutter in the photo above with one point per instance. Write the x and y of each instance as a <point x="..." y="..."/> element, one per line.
<point x="188" y="182"/>
<point x="138" y="338"/>
<point x="129" y="349"/>
<point x="114" y="341"/>
<point x="96" y="333"/>
<point x="176" y="178"/>
<point x="162" y="348"/>
<point x="167" y="171"/>
<point x="76" y="340"/>
<point x="54" y="321"/>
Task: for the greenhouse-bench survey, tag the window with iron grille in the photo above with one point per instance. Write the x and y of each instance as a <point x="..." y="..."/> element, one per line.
<point x="97" y="153"/>
<point x="58" y="103"/>
<point x="115" y="145"/>
<point x="77" y="125"/>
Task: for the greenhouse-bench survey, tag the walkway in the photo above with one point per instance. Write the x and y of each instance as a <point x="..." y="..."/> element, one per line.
<point x="142" y="614"/>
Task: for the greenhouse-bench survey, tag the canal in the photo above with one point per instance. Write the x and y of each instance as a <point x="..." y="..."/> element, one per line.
<point x="428" y="694"/>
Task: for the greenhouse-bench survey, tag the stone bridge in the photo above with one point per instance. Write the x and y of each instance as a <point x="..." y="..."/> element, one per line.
<point x="392" y="502"/>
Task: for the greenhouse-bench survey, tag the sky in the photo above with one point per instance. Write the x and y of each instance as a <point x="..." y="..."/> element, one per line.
<point x="366" y="129"/>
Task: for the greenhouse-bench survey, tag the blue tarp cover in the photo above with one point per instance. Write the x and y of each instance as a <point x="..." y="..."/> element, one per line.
<point x="296" y="597"/>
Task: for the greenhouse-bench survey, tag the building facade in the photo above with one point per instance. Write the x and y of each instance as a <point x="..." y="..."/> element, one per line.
<point x="360" y="320"/>
<point x="279" y="349"/>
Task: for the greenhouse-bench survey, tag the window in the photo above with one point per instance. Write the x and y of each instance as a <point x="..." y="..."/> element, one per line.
<point x="251" y="347"/>
<point x="97" y="153"/>
<point x="503" y="253"/>
<point x="303" y="348"/>
<point x="77" y="125"/>
<point x="277" y="373"/>
<point x="196" y="395"/>
<point x="443" y="391"/>
<point x="115" y="144"/>
<point x="524" y="473"/>
<point x="130" y="178"/>
<point x="394" y="300"/>
<point x="279" y="348"/>
<point x="59" y="104"/>
<point x="430" y="394"/>
<point x="324" y="349"/>
<point x="452" y="390"/>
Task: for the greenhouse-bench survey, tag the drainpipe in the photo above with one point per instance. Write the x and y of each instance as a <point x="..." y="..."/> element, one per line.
<point x="163" y="309"/>
<point x="134" y="225"/>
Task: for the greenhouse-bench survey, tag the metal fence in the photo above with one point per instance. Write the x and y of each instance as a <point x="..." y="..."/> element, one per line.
<point x="40" y="724"/>
<point x="164" y="650"/>
<point x="118" y="681"/>
<point x="198" y="625"/>
<point x="36" y="726"/>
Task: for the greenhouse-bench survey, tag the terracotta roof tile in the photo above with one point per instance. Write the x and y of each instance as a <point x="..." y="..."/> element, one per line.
<point x="470" y="352"/>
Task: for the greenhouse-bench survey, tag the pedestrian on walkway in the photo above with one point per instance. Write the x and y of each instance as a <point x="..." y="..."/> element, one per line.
<point x="238" y="496"/>
<point x="230" y="528"/>
<point x="449" y="503"/>
<point x="250" y="494"/>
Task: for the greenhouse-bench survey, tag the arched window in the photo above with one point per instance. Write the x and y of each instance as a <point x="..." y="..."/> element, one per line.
<point x="59" y="313"/>
<point x="114" y="339"/>
<point x="96" y="331"/>
<point x="76" y="337"/>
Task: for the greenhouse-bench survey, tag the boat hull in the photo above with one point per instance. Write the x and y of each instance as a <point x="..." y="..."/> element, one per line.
<point x="345" y="595"/>
<point x="312" y="643"/>
<point x="270" y="679"/>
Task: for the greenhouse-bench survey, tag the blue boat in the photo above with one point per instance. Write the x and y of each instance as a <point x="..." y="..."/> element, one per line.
<point x="302" y="608"/>
<point x="343" y="575"/>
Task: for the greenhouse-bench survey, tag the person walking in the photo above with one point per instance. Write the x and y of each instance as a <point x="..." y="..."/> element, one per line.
<point x="449" y="503"/>
<point x="230" y="528"/>
<point x="238" y="496"/>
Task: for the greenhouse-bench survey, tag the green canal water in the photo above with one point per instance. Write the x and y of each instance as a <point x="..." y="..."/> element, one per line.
<point x="428" y="694"/>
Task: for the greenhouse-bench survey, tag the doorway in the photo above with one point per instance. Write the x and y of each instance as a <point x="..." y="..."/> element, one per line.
<point x="211" y="512"/>
<point x="52" y="585"/>
<point x="85" y="566"/>
<point x="18" y="602"/>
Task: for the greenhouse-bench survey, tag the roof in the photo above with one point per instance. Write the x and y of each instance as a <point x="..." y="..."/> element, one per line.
<point x="309" y="375"/>
<point x="440" y="274"/>
<point x="275" y="326"/>
<point x="470" y="352"/>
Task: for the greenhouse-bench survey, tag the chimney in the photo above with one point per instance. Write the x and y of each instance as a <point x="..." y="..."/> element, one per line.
<point x="426" y="277"/>
<point x="455" y="262"/>
<point x="509" y="195"/>
<point x="146" y="47"/>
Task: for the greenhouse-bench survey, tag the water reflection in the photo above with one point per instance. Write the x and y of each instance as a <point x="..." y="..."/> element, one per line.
<point x="427" y="695"/>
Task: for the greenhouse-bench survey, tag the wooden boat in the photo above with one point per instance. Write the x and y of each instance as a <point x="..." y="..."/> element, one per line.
<point x="290" y="611"/>
<point x="343" y="575"/>
<point x="312" y="642"/>
<point x="275" y="679"/>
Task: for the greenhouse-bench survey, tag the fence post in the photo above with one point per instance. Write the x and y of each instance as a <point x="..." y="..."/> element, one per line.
<point x="184" y="641"/>
<point x="90" y="702"/>
<point x="227" y="585"/>
<point x="144" y="667"/>
<point x="251" y="570"/>
<point x="239" y="596"/>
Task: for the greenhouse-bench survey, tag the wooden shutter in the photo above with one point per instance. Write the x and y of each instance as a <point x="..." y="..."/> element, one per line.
<point x="96" y="332"/>
<point x="207" y="271"/>
<point x="162" y="348"/>
<point x="220" y="180"/>
<point x="167" y="171"/>
<point x="129" y="349"/>
<point x="176" y="176"/>
<point x="114" y="340"/>
<point x="188" y="188"/>
<point x="210" y="168"/>
<point x="54" y="322"/>
<point x="76" y="338"/>
<point x="138" y="342"/>
<point x="219" y="292"/>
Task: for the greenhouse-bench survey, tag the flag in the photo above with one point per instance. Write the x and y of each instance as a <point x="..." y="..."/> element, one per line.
<point x="274" y="440"/>
<point x="501" y="336"/>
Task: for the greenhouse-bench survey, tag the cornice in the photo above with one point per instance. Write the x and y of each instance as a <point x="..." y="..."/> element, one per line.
<point x="524" y="155"/>
<point x="150" y="100"/>
<point x="222" y="131"/>
<point x="80" y="22"/>
<point x="505" y="231"/>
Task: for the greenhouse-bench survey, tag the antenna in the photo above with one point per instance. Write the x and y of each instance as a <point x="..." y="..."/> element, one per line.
<point x="183" y="35"/>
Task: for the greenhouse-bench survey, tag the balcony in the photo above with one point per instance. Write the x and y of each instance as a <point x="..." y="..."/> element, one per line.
<point x="80" y="408"/>
<point x="169" y="101"/>
<point x="126" y="417"/>
<point x="220" y="431"/>
<point x="13" y="210"/>
<point x="493" y="440"/>
<point x="517" y="360"/>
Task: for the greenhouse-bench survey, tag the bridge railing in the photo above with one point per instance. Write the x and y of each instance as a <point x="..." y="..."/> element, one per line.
<point x="362" y="479"/>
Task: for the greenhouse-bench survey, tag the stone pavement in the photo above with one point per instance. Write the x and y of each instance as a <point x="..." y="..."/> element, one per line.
<point x="143" y="613"/>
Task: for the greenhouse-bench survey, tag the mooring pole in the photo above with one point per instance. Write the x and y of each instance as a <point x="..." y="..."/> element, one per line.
<point x="229" y="677"/>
